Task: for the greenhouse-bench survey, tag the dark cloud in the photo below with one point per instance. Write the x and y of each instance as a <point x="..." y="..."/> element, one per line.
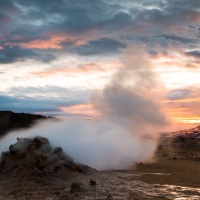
<point x="152" y="16"/>
<point x="13" y="54"/>
<point x="8" y="6"/>
<point x="195" y="54"/>
<point x="32" y="105"/>
<point x="184" y="5"/>
<point x="181" y="39"/>
<point x="104" y="46"/>
<point x="23" y="21"/>
<point x="167" y="14"/>
<point x="3" y="18"/>
<point x="179" y="94"/>
<point x="75" y="15"/>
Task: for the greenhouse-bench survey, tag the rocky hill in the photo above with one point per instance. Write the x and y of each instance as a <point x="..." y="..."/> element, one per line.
<point x="193" y="133"/>
<point x="11" y="121"/>
<point x="183" y="144"/>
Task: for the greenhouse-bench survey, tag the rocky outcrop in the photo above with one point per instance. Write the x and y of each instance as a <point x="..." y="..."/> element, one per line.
<point x="35" y="155"/>
<point x="33" y="169"/>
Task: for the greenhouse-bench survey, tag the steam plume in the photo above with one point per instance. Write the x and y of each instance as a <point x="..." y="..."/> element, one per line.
<point x="124" y="134"/>
<point x="128" y="98"/>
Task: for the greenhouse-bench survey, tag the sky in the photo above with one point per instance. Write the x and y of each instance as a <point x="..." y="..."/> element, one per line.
<point x="55" y="53"/>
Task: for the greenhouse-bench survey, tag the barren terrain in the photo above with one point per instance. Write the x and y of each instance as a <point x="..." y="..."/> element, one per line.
<point x="174" y="174"/>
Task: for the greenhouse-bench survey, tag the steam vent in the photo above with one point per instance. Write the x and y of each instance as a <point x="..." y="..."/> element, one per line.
<point x="32" y="169"/>
<point x="35" y="155"/>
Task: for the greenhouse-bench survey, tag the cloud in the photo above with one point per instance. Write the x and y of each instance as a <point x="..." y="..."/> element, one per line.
<point x="31" y="22"/>
<point x="180" y="39"/>
<point x="50" y="91"/>
<point x="103" y="46"/>
<point x="78" y="70"/>
<point x="183" y="11"/>
<point x="3" y="18"/>
<point x="179" y="94"/>
<point x="13" y="54"/>
<point x="182" y="105"/>
<point x="85" y="109"/>
<point x="51" y="43"/>
<point x="66" y="15"/>
<point x="35" y="105"/>
<point x="195" y="54"/>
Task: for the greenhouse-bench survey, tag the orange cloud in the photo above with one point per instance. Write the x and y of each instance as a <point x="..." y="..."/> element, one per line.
<point x="81" y="109"/>
<point x="186" y="100"/>
<point x="89" y="68"/>
<point x="194" y="17"/>
<point x="182" y="112"/>
<point x="1" y="48"/>
<point x="180" y="64"/>
<point x="54" y="42"/>
<point x="51" y="43"/>
<point x="161" y="56"/>
<point x="80" y="69"/>
<point x="177" y="60"/>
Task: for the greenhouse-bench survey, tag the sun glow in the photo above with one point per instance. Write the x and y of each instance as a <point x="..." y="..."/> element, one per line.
<point x="81" y="109"/>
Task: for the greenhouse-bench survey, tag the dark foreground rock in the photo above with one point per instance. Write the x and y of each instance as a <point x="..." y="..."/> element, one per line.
<point x="36" y="155"/>
<point x="11" y="121"/>
<point x="32" y="169"/>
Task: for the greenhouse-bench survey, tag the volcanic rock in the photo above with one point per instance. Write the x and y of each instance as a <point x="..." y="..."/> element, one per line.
<point x="92" y="182"/>
<point x="32" y="169"/>
<point x="36" y="154"/>
<point x="76" y="187"/>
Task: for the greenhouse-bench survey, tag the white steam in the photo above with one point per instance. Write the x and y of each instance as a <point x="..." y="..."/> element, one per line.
<point x="100" y="144"/>
<point x="126" y="132"/>
<point x="128" y="98"/>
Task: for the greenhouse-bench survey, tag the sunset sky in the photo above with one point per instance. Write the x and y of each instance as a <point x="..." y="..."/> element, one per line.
<point x="55" y="53"/>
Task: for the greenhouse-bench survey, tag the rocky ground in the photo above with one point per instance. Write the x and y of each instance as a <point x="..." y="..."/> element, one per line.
<point x="32" y="169"/>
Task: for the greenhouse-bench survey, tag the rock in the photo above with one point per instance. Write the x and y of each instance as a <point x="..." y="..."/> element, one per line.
<point x="35" y="170"/>
<point x="57" y="150"/>
<point x="76" y="187"/>
<point x="92" y="182"/>
<point x="35" y="153"/>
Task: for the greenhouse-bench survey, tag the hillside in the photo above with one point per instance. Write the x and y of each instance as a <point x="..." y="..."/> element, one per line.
<point x="183" y="144"/>
<point x="11" y="121"/>
<point x="189" y="133"/>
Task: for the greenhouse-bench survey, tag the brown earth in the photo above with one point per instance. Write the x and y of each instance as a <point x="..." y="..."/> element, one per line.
<point x="178" y="157"/>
